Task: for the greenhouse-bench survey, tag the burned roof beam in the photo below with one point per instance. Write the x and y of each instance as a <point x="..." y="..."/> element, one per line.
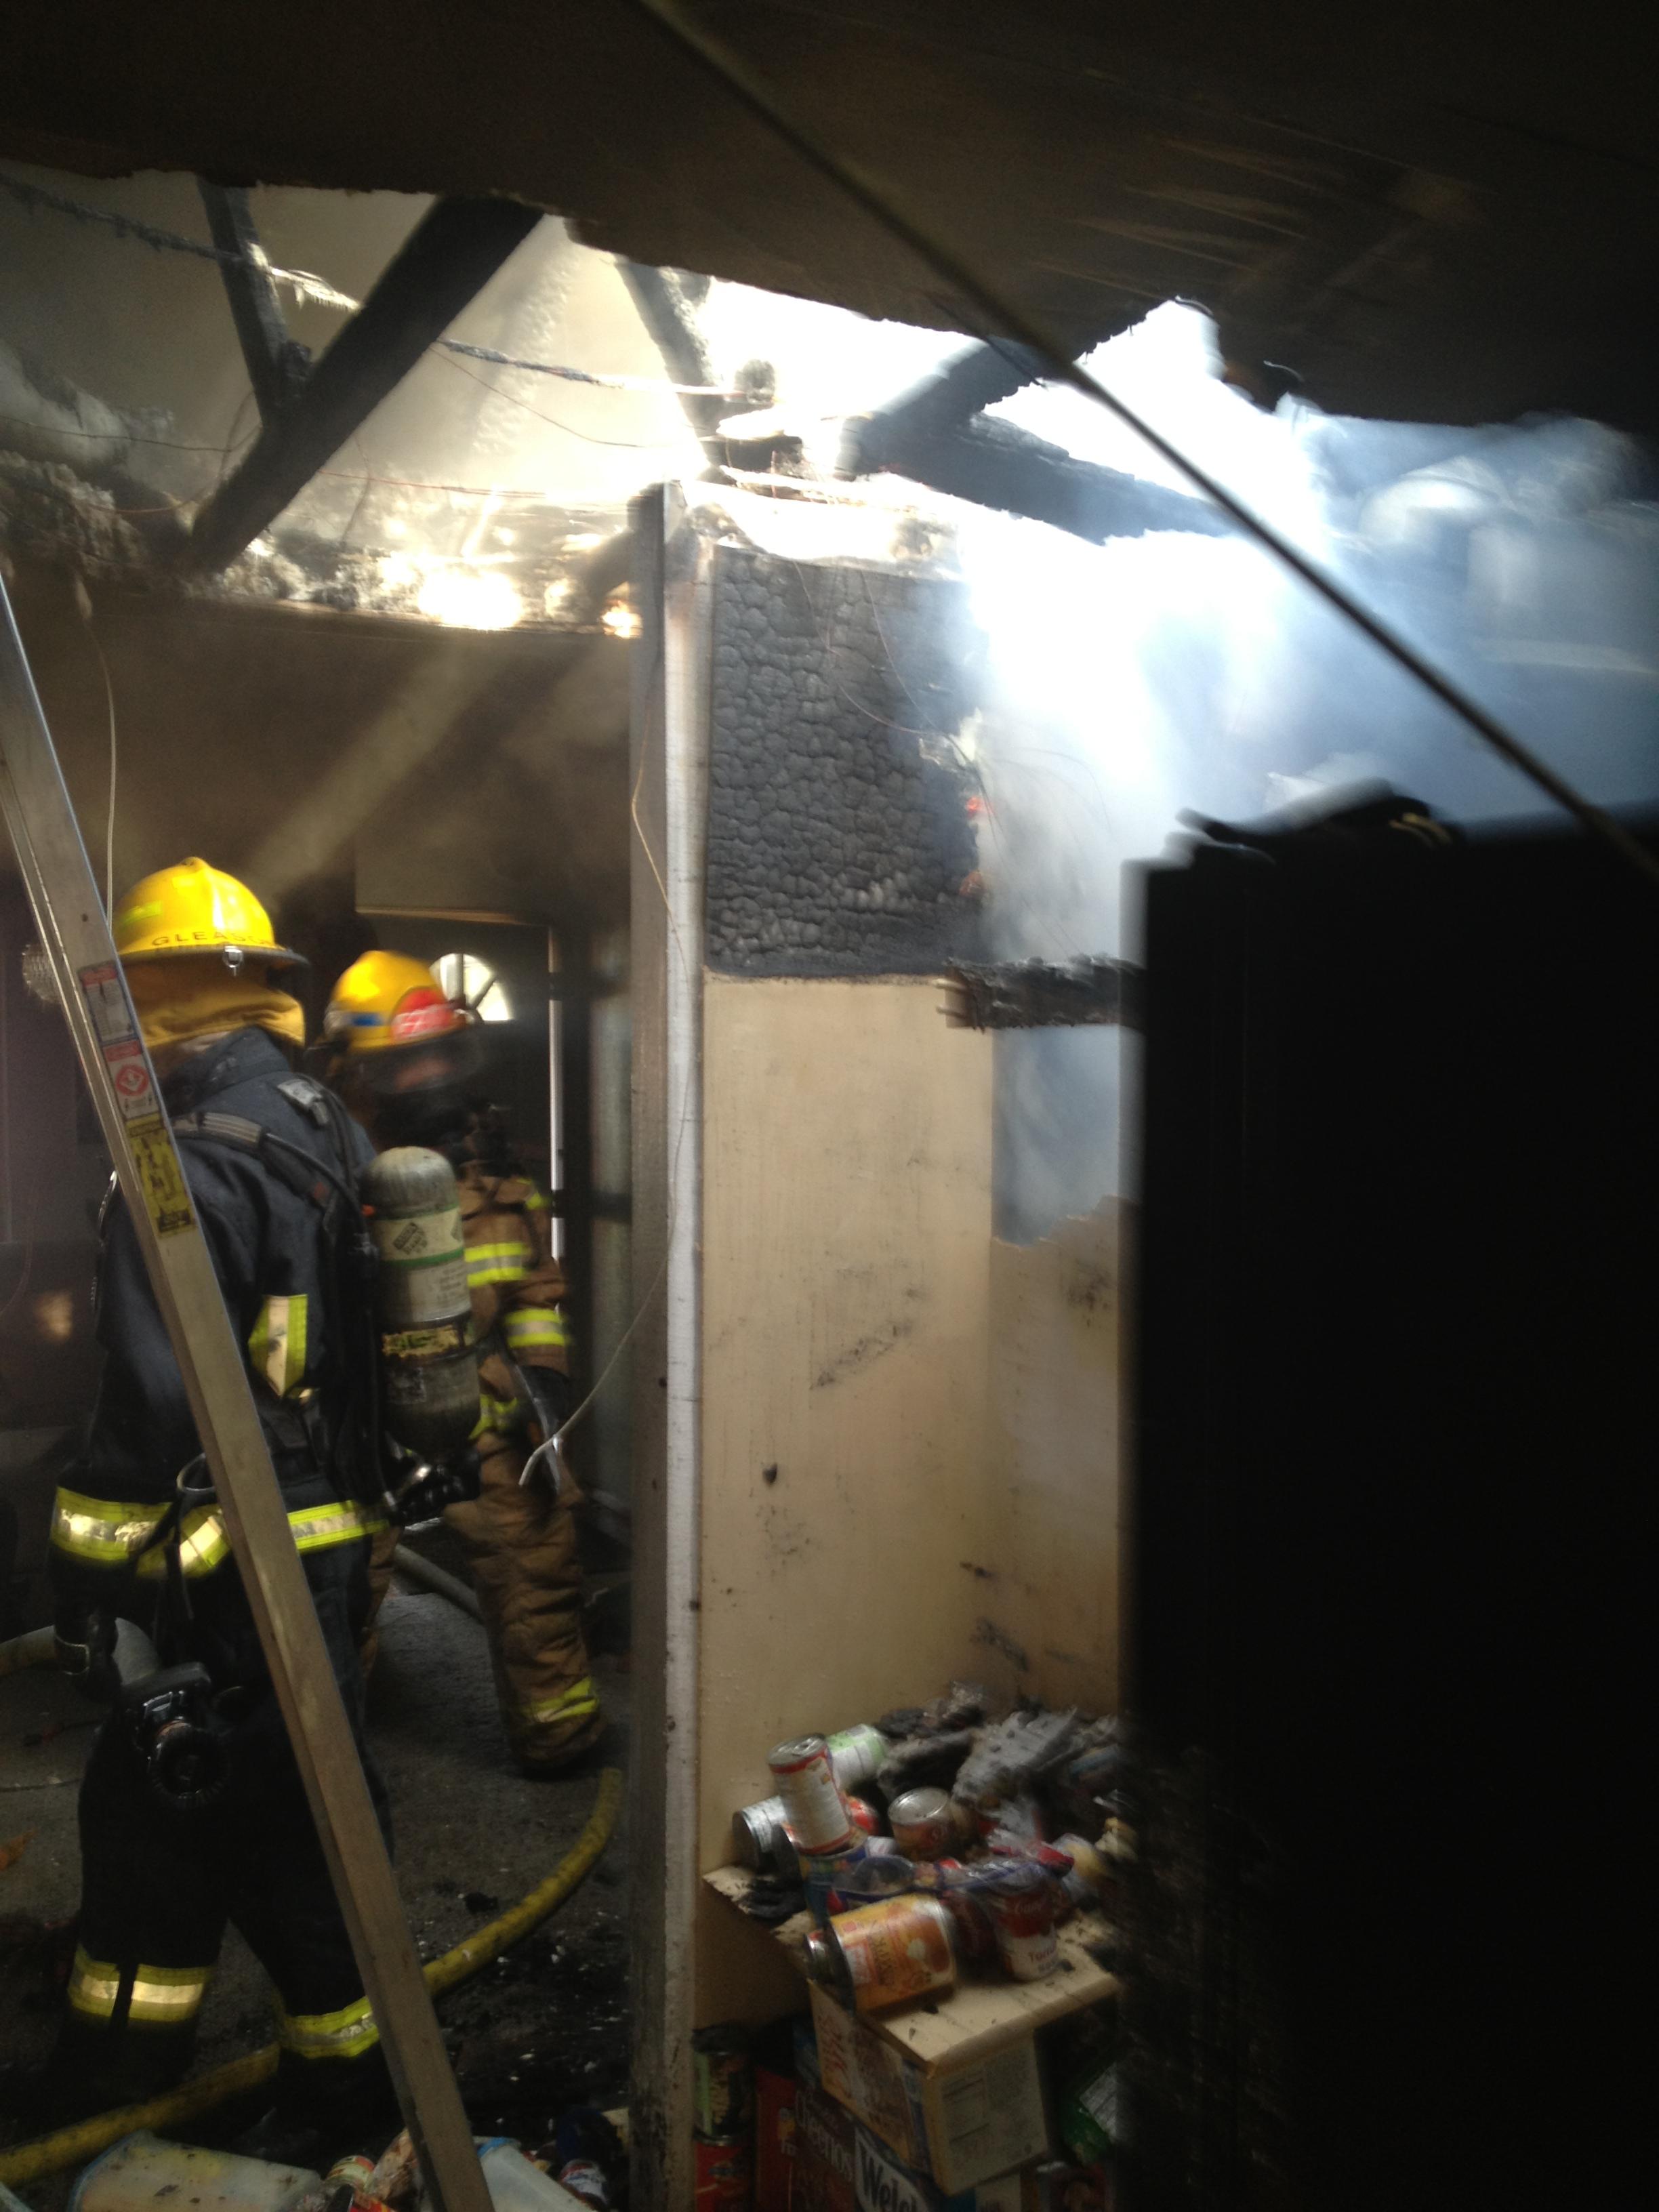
<point x="666" y="314"/>
<point x="453" y="251"/>
<point x="1036" y="994"/>
<point x="966" y="385"/>
<point x="995" y="465"/>
<point x="277" y="364"/>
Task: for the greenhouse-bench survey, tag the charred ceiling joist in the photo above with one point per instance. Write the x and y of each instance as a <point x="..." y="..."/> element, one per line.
<point x="927" y="435"/>
<point x="1033" y="994"/>
<point x="457" y="247"/>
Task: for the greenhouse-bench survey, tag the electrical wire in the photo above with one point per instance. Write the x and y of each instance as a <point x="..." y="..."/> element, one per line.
<point x="320" y="293"/>
<point x="1004" y="321"/>
<point x="626" y="444"/>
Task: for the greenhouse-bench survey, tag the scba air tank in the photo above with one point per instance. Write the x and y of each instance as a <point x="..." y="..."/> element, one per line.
<point x="428" y="1358"/>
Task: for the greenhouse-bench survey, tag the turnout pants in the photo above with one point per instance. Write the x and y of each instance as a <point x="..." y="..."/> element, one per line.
<point x="521" y="1545"/>
<point x="159" y="1886"/>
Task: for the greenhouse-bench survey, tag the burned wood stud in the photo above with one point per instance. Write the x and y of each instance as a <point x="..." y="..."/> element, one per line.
<point x="1031" y="994"/>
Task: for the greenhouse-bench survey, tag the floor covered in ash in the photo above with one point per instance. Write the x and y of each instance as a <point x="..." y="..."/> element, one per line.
<point x="544" y="2028"/>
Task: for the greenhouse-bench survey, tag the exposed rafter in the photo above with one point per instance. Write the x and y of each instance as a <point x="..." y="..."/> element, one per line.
<point x="457" y="247"/>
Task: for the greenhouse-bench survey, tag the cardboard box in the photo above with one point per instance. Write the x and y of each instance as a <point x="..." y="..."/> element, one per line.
<point x="822" y="2173"/>
<point x="956" y="2122"/>
<point x="884" y="2183"/>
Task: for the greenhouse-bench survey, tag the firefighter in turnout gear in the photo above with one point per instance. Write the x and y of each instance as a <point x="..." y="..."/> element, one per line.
<point x="406" y="1061"/>
<point x="172" y="1851"/>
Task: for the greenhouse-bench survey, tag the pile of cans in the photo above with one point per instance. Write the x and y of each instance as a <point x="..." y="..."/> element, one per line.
<point x="907" y="1899"/>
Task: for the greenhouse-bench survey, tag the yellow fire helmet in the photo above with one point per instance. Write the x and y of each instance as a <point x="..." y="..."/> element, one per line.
<point x="190" y="909"/>
<point x="387" y="1001"/>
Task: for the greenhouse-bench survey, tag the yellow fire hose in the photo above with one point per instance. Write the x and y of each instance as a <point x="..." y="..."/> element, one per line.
<point x="72" y="2145"/>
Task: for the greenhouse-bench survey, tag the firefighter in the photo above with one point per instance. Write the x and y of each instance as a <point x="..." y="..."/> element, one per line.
<point x="406" y="1062"/>
<point x="168" y="1858"/>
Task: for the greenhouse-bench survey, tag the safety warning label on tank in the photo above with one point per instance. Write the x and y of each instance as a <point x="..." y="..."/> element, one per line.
<point x="129" y="1073"/>
<point x="104" y="988"/>
<point x="166" y="1201"/>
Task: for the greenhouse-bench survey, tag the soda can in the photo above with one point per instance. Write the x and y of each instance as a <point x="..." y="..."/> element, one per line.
<point x="886" y="1954"/>
<point x="356" y="2174"/>
<point x="856" y="1754"/>
<point x="822" y="1871"/>
<point x="722" y="2092"/>
<point x="812" y="1804"/>
<point x="1021" y="1905"/>
<point x="724" y="2176"/>
<point x="923" y="1824"/>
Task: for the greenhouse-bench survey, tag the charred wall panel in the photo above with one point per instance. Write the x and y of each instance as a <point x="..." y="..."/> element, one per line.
<point x="839" y="839"/>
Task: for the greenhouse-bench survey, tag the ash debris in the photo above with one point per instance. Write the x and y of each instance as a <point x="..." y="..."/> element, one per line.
<point x="840" y="837"/>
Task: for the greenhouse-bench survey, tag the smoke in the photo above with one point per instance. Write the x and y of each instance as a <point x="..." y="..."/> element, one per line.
<point x="1130" y="680"/>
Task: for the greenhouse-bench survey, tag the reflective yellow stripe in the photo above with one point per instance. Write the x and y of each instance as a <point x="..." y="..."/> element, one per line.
<point x="573" y="1704"/>
<point x="500" y="1413"/>
<point x="277" y="1344"/>
<point x="344" y="2034"/>
<point x="319" y="1526"/>
<point x="534" y="1202"/>
<point x="161" y="1996"/>
<point x="106" y="1531"/>
<point x="498" y="1263"/>
<point x="540" y="1327"/>
<point x="204" y="1545"/>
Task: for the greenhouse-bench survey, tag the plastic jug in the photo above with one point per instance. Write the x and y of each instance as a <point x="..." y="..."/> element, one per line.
<point x="144" y="2173"/>
<point x="516" y="2185"/>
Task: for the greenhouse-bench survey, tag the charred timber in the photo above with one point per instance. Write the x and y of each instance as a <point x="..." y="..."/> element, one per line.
<point x="454" y="250"/>
<point x="995" y="465"/>
<point x="277" y="364"/>
<point x="1036" y="995"/>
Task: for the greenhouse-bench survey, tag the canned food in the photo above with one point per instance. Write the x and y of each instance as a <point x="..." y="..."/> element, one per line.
<point x="722" y="2091"/>
<point x="811" y="1800"/>
<point x="922" y="1824"/>
<point x="865" y="1818"/>
<point x="856" y="1754"/>
<point x="725" y="2176"/>
<point x="885" y="1955"/>
<point x="823" y="1873"/>
<point x="1021" y="1905"/>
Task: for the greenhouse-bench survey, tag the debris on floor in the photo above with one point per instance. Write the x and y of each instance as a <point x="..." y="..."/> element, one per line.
<point x="948" y="1883"/>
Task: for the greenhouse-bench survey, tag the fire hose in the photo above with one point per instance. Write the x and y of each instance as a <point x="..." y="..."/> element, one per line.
<point x="71" y="2145"/>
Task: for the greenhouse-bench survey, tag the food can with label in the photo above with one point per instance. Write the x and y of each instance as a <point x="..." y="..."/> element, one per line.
<point x="812" y="1802"/>
<point x="1021" y="1905"/>
<point x="722" y="2083"/>
<point x="724" y="2176"/>
<point x="922" y="1824"/>
<point x="856" y="1754"/>
<point x="886" y="1954"/>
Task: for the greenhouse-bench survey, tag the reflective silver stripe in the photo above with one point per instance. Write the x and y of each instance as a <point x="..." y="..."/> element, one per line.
<point x="277" y="1344"/>
<point x="535" y="1326"/>
<point x="319" y="1526"/>
<point x="106" y="1530"/>
<point x="203" y="1545"/>
<point x="161" y="1996"/>
<point x="344" y="2034"/>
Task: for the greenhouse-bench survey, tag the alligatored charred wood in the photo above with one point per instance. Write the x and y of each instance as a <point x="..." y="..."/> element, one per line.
<point x="1032" y="994"/>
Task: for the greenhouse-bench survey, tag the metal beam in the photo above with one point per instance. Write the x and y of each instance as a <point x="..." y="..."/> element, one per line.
<point x="277" y="364"/>
<point x="98" y="1006"/>
<point x="457" y="247"/>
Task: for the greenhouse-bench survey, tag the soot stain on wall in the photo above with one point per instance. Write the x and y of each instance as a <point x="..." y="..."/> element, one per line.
<point x="839" y="835"/>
